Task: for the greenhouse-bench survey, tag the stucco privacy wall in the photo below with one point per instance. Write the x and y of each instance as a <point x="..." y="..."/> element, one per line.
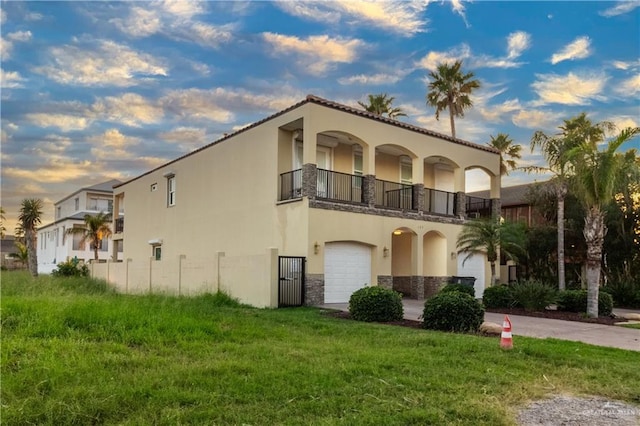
<point x="252" y="279"/>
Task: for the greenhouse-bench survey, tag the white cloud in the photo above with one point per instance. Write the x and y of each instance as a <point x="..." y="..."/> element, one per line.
<point x="6" y="47"/>
<point x="130" y="109"/>
<point x="112" y="144"/>
<point x="196" y="104"/>
<point x="458" y="7"/>
<point x="373" y="79"/>
<point x="517" y="43"/>
<point x="623" y="121"/>
<point x="537" y="119"/>
<point x="3" y="16"/>
<point x="629" y="87"/>
<point x="577" y="49"/>
<point x="10" y="79"/>
<point x="401" y="17"/>
<point x="57" y="169"/>
<point x="620" y="8"/>
<point x="101" y="63"/>
<point x="52" y="145"/>
<point x="141" y="22"/>
<point x="200" y="68"/>
<point x="317" y="54"/>
<point x="433" y="58"/>
<point x="188" y="138"/>
<point x="571" y="89"/>
<point x="22" y="36"/>
<point x="500" y="112"/>
<point x="64" y="122"/>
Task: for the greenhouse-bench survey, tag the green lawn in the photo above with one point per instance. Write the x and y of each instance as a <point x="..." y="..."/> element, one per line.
<point x="632" y="326"/>
<point x="75" y="353"/>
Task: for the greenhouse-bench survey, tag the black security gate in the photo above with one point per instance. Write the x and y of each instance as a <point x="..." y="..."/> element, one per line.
<point x="291" y="287"/>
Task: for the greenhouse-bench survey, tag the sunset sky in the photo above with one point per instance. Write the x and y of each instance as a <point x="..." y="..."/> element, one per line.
<point x="93" y="91"/>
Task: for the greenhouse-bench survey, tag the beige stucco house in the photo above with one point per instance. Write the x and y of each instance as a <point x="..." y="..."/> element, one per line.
<point x="365" y="200"/>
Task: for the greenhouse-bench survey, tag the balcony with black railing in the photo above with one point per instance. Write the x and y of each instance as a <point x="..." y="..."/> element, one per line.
<point x="337" y="186"/>
<point x="439" y="202"/>
<point x="290" y="185"/>
<point x="478" y="208"/>
<point x="393" y="194"/>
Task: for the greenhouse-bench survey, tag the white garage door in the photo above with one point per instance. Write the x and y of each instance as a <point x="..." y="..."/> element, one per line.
<point x="347" y="267"/>
<point x="473" y="267"/>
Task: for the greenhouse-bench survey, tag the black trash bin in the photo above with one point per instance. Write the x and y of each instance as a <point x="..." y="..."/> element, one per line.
<point x="470" y="281"/>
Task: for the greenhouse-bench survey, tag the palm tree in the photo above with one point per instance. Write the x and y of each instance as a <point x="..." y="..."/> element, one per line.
<point x="596" y="173"/>
<point x="381" y="104"/>
<point x="554" y="150"/>
<point x="2" y="220"/>
<point x="504" y="144"/>
<point x="450" y="89"/>
<point x="490" y="237"/>
<point x="29" y="219"/>
<point x="22" y="255"/>
<point x="95" y="230"/>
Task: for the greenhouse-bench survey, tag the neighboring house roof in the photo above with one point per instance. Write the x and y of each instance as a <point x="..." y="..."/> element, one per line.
<point x="510" y="195"/>
<point x="334" y="105"/>
<point x="106" y="187"/>
<point x="76" y="216"/>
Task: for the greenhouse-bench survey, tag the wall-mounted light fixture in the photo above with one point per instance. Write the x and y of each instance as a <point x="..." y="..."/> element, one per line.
<point x="397" y="232"/>
<point x="316" y="248"/>
<point x="453" y="255"/>
<point x="385" y="252"/>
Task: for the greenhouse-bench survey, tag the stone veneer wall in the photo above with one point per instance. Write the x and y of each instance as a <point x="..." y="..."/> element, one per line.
<point x="402" y="285"/>
<point x="314" y="289"/>
<point x="386" y="281"/>
<point x="417" y="287"/>
<point x="432" y="285"/>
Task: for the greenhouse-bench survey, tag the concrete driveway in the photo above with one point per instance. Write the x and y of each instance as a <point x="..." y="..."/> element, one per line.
<point x="594" y="334"/>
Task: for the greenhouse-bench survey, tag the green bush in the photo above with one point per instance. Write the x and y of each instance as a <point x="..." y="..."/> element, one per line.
<point x="625" y="292"/>
<point x="71" y="268"/>
<point x="376" y="304"/>
<point x="498" y="296"/>
<point x="533" y="295"/>
<point x="463" y="288"/>
<point x="576" y="301"/>
<point x="453" y="311"/>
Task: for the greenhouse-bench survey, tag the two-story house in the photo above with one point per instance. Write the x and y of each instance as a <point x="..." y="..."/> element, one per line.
<point x="55" y="246"/>
<point x="354" y="198"/>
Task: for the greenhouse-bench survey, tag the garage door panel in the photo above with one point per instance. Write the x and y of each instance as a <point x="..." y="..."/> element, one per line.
<point x="347" y="269"/>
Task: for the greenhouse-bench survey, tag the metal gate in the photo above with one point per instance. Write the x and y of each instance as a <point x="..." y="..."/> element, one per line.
<point x="291" y="286"/>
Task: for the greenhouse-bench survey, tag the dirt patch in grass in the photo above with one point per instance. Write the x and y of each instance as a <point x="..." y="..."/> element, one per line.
<point x="560" y="315"/>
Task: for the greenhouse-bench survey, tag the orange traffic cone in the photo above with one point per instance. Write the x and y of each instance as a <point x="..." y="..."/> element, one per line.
<point x="506" y="342"/>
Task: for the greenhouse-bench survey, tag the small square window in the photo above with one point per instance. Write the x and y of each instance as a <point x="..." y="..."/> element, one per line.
<point x="154" y="187"/>
<point x="157" y="252"/>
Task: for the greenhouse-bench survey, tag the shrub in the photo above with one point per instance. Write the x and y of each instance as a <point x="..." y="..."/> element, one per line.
<point x="71" y="268"/>
<point x="533" y="295"/>
<point x="376" y="304"/>
<point x="463" y="288"/>
<point x="453" y="311"/>
<point x="625" y="292"/>
<point x="498" y="296"/>
<point x="576" y="301"/>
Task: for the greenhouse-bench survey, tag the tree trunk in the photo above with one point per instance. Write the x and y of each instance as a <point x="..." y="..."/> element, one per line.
<point x="32" y="255"/>
<point x="594" y="232"/>
<point x="453" y="124"/>
<point x="493" y="273"/>
<point x="561" y="193"/>
<point x="95" y="251"/>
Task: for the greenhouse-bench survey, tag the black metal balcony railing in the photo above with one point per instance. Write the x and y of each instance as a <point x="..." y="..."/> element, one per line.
<point x="119" y="225"/>
<point x="478" y="208"/>
<point x="393" y="194"/>
<point x="291" y="185"/>
<point x="339" y="186"/>
<point x="440" y="202"/>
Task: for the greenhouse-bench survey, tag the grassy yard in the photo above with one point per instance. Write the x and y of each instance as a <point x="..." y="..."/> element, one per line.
<point x="75" y="353"/>
<point x="632" y="326"/>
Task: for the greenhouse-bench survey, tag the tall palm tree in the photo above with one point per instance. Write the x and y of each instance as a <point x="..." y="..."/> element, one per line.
<point x="554" y="150"/>
<point x="29" y="219"/>
<point x="509" y="152"/>
<point x="490" y="237"/>
<point x="2" y="220"/>
<point x="596" y="171"/>
<point x="95" y="230"/>
<point x="450" y="89"/>
<point x="381" y="104"/>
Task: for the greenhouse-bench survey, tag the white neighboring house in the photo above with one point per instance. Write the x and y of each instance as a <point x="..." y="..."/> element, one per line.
<point x="55" y="246"/>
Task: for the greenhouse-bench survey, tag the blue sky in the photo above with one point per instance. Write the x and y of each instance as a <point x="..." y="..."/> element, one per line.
<point x="97" y="90"/>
